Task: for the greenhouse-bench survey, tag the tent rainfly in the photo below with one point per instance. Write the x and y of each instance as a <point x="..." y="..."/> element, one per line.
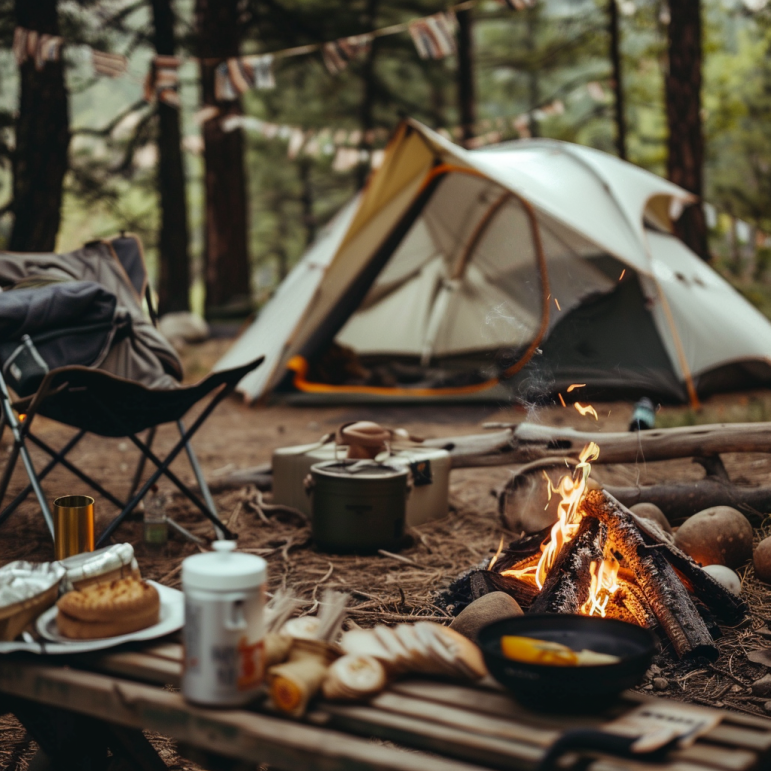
<point x="507" y="272"/>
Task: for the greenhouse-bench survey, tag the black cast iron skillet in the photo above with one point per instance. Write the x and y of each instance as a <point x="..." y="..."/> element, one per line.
<point x="569" y="689"/>
<point x="573" y="689"/>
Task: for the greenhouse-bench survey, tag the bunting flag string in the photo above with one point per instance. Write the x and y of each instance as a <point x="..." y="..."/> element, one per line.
<point x="434" y="36"/>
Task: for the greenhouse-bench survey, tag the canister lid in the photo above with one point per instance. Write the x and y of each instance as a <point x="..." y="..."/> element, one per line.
<point x="224" y="569"/>
<point x="360" y="469"/>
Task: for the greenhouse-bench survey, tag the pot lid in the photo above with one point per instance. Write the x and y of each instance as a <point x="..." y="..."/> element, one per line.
<point x="361" y="469"/>
<point x="224" y="569"/>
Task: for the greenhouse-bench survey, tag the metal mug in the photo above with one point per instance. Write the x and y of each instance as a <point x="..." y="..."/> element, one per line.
<point x="73" y="525"/>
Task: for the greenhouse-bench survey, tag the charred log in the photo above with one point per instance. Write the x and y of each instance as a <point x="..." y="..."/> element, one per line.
<point x="665" y="593"/>
<point x="567" y="586"/>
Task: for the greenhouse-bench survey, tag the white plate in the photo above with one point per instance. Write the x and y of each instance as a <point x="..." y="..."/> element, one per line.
<point x="172" y="618"/>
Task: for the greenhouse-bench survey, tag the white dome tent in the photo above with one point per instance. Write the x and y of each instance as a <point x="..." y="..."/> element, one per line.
<point x="515" y="269"/>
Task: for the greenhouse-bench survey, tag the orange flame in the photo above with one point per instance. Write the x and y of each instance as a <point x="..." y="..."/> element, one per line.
<point x="572" y="488"/>
<point x="604" y="585"/>
<point x="573" y="387"/>
<point x="586" y="409"/>
<point x="604" y="572"/>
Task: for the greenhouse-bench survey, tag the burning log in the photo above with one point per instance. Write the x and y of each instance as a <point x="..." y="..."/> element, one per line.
<point x="568" y="583"/>
<point x="665" y="593"/>
<point x="486" y="581"/>
<point x="728" y="608"/>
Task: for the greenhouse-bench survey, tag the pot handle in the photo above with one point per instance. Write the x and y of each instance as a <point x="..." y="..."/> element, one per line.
<point x="308" y="484"/>
<point x="601" y="741"/>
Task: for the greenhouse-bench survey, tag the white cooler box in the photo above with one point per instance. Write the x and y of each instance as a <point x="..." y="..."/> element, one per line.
<point x="428" y="499"/>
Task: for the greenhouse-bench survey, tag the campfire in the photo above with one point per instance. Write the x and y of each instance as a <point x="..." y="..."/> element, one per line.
<point x="600" y="559"/>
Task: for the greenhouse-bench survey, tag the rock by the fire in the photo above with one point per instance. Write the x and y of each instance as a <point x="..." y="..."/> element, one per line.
<point x="762" y="687"/>
<point x="488" y="608"/>
<point x="762" y="561"/>
<point x="725" y="576"/>
<point x="660" y="683"/>
<point x="720" y="535"/>
<point x="525" y="503"/>
<point x="653" y="512"/>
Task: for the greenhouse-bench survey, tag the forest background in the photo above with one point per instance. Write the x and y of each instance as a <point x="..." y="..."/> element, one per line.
<point x="118" y="168"/>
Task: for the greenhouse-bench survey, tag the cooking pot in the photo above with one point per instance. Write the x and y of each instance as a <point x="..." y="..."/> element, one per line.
<point x="357" y="506"/>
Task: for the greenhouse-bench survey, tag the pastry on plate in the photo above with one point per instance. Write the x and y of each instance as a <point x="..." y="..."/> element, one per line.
<point x="26" y="590"/>
<point x="108" y="609"/>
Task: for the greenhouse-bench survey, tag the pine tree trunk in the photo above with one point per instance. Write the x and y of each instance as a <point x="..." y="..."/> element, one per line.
<point x="466" y="101"/>
<point x="42" y="140"/>
<point x="618" y="87"/>
<point x="174" y="274"/>
<point x="533" y="80"/>
<point x="226" y="258"/>
<point x="682" y="87"/>
<point x="367" y="111"/>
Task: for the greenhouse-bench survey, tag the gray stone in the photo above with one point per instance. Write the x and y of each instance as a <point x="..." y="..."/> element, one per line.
<point x="654" y="513"/>
<point x="762" y="687"/>
<point x="660" y="683"/>
<point x="488" y="608"/>
<point x="184" y="326"/>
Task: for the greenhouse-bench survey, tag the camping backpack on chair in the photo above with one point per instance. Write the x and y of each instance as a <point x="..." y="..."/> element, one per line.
<point x="56" y="324"/>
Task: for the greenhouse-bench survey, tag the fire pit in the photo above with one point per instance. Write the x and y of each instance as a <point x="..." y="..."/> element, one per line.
<point x="600" y="559"/>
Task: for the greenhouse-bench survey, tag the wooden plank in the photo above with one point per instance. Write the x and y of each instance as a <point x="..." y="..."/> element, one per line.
<point x="457" y="717"/>
<point x="170" y="651"/>
<point x="430" y="736"/>
<point x="523" y="730"/>
<point x="136" y="666"/>
<point x="232" y="733"/>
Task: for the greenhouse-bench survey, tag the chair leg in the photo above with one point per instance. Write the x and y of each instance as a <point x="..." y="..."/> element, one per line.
<point x="19" y="499"/>
<point x="19" y="434"/>
<point x="8" y="471"/>
<point x="142" y="461"/>
<point x="200" y="478"/>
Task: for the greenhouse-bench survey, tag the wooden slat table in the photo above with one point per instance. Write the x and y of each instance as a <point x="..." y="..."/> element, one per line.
<point x="423" y="725"/>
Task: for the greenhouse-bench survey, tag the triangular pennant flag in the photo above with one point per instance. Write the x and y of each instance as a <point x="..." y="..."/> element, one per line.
<point x="252" y="72"/>
<point x="162" y="81"/>
<point x="339" y="53"/>
<point x="346" y="158"/>
<point x="296" y="141"/>
<point x="110" y="65"/>
<point x="49" y="49"/>
<point x="595" y="91"/>
<point x="223" y="86"/>
<point x="517" y="5"/>
<point x="434" y="36"/>
<point x="20" y="35"/>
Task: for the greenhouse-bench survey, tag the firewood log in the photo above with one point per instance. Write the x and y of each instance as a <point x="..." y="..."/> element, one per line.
<point x="665" y="593"/>
<point x="567" y="585"/>
<point x="486" y="581"/>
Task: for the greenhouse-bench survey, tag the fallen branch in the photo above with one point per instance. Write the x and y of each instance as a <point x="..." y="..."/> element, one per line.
<point x="526" y="442"/>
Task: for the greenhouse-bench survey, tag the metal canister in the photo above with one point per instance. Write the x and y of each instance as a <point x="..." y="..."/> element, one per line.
<point x="224" y="663"/>
<point x="358" y="506"/>
<point x="73" y="525"/>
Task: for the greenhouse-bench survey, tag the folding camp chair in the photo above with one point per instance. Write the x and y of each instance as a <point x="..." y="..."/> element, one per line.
<point x="94" y="401"/>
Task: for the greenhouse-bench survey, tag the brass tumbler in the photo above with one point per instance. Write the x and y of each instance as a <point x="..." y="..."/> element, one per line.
<point x="73" y="525"/>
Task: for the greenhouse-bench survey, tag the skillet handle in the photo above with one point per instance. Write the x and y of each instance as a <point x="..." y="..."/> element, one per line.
<point x="593" y="739"/>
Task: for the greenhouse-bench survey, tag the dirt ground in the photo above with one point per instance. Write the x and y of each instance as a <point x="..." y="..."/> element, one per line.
<point x="382" y="589"/>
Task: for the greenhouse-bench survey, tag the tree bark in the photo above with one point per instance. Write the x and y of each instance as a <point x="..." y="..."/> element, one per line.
<point x="369" y="84"/>
<point x="682" y="87"/>
<point x="618" y="88"/>
<point x="226" y="257"/>
<point x="533" y="84"/>
<point x="174" y="273"/>
<point x="42" y="140"/>
<point x="466" y="99"/>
